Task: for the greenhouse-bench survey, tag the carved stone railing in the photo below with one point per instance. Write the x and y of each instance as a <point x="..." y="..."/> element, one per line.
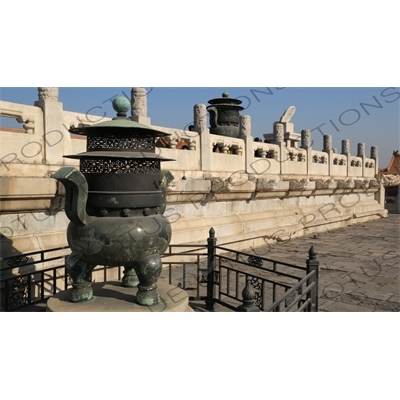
<point x="21" y="148"/>
<point x="355" y="165"/>
<point x="319" y="157"/>
<point x="369" y="167"/>
<point x="340" y="160"/>
<point x="227" y="154"/>
<point x="266" y="159"/>
<point x="266" y="150"/>
<point x="194" y="150"/>
<point x="355" y="162"/>
<point x="319" y="163"/>
<point x="294" y="161"/>
<point x="296" y="154"/>
<point x="339" y="165"/>
<point x="22" y="113"/>
<point x="183" y="146"/>
<point x="227" y="145"/>
<point x="236" y="184"/>
<point x="178" y="139"/>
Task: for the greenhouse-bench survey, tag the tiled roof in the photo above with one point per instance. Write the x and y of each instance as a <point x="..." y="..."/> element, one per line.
<point x="394" y="165"/>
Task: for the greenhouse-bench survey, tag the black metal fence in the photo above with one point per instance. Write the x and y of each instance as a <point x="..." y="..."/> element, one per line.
<point x="186" y="267"/>
<point x="28" y="280"/>
<point x="245" y="282"/>
<point x="240" y="281"/>
<point x="235" y="280"/>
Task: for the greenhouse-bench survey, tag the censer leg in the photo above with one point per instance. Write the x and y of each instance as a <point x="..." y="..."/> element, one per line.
<point x="80" y="273"/>
<point x="148" y="270"/>
<point x="130" y="278"/>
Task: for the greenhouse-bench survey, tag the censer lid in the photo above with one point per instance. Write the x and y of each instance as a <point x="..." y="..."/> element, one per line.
<point x="121" y="105"/>
<point x="226" y="101"/>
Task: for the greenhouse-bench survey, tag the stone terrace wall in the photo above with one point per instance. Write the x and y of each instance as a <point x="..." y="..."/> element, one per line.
<point x="248" y="191"/>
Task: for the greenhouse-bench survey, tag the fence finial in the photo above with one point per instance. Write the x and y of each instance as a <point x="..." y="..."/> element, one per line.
<point x="312" y="253"/>
<point x="249" y="296"/>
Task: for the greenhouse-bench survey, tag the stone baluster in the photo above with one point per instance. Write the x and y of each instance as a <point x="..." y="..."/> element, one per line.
<point x="346" y="152"/>
<point x="361" y="153"/>
<point x="245" y="125"/>
<point x="245" y="134"/>
<point x="361" y="150"/>
<point x="327" y="143"/>
<point x="346" y="147"/>
<point x="306" y="144"/>
<point x="374" y="155"/>
<point x="380" y="194"/>
<point x="305" y="139"/>
<point x="199" y="118"/>
<point x="48" y="93"/>
<point x="279" y="136"/>
<point x="29" y="126"/>
<point x="54" y="126"/>
<point x="225" y="148"/>
<point x="139" y="106"/>
<point x="192" y="145"/>
<point x="279" y="133"/>
<point x="328" y="149"/>
<point x="200" y="126"/>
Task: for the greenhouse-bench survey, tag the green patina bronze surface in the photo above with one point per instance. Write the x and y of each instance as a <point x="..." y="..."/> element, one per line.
<point x="115" y="204"/>
<point x="224" y="116"/>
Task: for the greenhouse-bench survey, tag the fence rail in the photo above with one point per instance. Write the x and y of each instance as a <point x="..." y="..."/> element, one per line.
<point x="236" y="280"/>
<point x="187" y="268"/>
<point x="272" y="285"/>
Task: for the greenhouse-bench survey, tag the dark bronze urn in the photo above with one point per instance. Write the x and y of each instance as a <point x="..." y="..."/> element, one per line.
<point x="224" y="116"/>
<point x="115" y="203"/>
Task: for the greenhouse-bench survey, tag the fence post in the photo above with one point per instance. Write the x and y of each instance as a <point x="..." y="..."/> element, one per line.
<point x="312" y="265"/>
<point x="211" y="251"/>
<point x="249" y="296"/>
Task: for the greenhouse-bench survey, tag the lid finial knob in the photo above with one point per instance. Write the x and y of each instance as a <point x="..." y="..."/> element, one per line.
<point x="121" y="105"/>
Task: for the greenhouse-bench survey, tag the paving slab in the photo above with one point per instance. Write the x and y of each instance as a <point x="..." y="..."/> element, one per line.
<point x="323" y="304"/>
<point x="359" y="264"/>
<point x="395" y="298"/>
<point x="344" y="307"/>
<point x="373" y="294"/>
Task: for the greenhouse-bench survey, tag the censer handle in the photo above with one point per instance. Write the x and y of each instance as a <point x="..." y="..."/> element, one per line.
<point x="76" y="188"/>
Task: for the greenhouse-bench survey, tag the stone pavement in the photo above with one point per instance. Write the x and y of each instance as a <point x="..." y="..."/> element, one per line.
<point x="359" y="266"/>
